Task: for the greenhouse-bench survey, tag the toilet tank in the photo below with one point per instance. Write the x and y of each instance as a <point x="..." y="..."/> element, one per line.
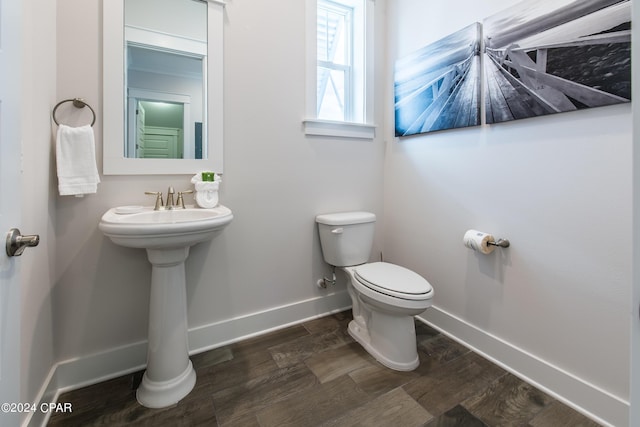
<point x="346" y="237"/>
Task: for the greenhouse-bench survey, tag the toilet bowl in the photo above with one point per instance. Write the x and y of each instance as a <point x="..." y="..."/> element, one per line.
<point x="384" y="296"/>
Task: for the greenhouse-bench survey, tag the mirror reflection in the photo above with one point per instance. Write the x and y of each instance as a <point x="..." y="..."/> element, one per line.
<point x="165" y="79"/>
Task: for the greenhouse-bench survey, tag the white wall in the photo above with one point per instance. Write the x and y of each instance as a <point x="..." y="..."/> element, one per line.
<point x="634" y="413"/>
<point x="276" y="180"/>
<point x="38" y="200"/>
<point x="558" y="187"/>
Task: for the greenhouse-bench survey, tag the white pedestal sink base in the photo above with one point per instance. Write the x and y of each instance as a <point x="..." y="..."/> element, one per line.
<point x="161" y="394"/>
<point x="169" y="376"/>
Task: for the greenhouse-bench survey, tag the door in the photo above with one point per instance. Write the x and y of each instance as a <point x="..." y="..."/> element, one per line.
<point x="140" y="130"/>
<point x="161" y="143"/>
<point x="10" y="186"/>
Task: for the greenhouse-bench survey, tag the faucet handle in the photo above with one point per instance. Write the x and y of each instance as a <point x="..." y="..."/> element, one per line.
<point x="180" y="201"/>
<point x="159" y="202"/>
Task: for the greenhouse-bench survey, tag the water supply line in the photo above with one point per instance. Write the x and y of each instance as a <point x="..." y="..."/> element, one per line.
<point x="322" y="283"/>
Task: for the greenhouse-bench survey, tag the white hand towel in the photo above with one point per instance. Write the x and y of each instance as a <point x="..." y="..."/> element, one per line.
<point x="76" y="161"/>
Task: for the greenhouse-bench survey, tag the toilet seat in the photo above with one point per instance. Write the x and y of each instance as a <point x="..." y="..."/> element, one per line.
<point x="393" y="280"/>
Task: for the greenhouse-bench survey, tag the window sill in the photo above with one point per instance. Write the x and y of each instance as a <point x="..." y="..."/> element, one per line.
<point x="339" y="129"/>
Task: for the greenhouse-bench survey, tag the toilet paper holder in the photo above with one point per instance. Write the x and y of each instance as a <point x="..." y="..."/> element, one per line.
<point x="503" y="243"/>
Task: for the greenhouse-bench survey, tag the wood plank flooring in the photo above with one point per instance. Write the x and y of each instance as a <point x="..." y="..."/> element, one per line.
<point x="314" y="374"/>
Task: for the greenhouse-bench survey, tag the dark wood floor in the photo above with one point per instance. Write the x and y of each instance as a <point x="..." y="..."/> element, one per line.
<point x="314" y="374"/>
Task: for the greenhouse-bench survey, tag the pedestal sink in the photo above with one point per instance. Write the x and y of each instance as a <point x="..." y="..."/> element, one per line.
<point x="167" y="236"/>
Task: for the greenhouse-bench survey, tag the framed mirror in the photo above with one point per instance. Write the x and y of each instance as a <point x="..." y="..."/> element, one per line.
<point x="162" y="86"/>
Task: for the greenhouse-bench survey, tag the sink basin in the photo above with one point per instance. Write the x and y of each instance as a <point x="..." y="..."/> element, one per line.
<point x="145" y="228"/>
<point x="167" y="236"/>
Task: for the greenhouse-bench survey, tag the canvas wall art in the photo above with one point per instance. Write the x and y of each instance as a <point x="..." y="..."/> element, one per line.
<point x="551" y="56"/>
<point x="438" y="86"/>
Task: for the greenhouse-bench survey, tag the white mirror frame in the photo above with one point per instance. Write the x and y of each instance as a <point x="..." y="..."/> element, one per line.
<point x="114" y="162"/>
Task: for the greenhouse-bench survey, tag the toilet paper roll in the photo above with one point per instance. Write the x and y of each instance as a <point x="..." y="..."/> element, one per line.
<point x="479" y="241"/>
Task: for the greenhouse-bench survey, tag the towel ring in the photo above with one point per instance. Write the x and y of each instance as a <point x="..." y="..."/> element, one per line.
<point x="78" y="103"/>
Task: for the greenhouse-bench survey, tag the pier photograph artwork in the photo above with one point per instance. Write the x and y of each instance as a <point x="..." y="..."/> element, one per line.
<point x="551" y="56"/>
<point x="438" y="86"/>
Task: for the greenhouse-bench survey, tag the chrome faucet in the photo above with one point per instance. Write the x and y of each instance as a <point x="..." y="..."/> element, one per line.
<point x="170" y="203"/>
<point x="160" y="205"/>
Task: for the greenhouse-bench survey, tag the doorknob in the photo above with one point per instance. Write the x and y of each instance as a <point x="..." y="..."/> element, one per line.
<point x="17" y="243"/>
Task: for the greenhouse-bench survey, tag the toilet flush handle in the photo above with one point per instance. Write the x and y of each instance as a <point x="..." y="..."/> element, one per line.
<point x="338" y="230"/>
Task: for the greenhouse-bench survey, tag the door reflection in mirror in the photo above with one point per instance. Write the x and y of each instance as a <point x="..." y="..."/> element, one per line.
<point x="165" y="61"/>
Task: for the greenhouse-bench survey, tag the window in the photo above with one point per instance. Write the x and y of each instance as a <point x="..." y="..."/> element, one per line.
<point x="339" y="67"/>
<point x="335" y="52"/>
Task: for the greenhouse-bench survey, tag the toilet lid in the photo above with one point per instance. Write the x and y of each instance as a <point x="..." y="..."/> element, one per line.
<point x="393" y="280"/>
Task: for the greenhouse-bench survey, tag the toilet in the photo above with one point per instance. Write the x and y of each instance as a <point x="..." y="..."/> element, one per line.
<point x="384" y="296"/>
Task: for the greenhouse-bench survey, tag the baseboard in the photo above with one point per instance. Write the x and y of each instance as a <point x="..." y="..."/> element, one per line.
<point x="593" y="402"/>
<point x="83" y="371"/>
<point x="242" y="327"/>
<point x="47" y="393"/>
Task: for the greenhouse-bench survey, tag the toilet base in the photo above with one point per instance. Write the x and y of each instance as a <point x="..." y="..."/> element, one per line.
<point x="396" y="350"/>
